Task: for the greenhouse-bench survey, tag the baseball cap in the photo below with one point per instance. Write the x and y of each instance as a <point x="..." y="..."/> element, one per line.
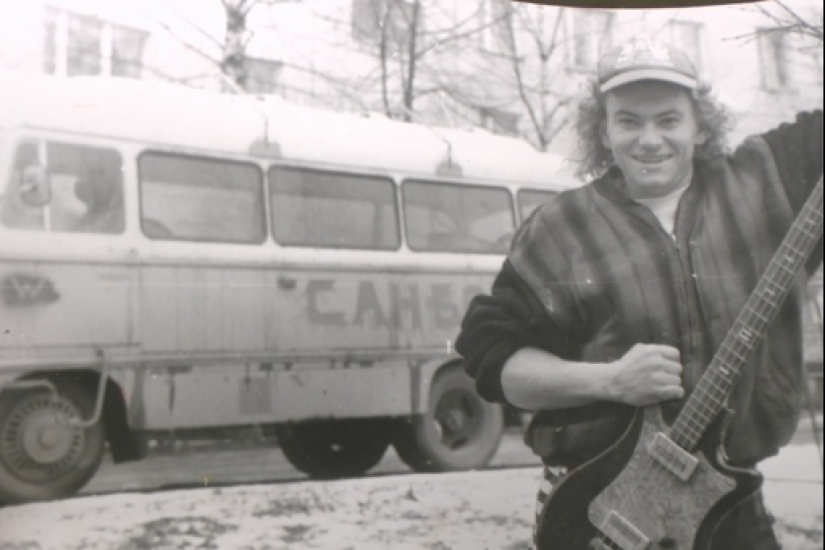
<point x="645" y="59"/>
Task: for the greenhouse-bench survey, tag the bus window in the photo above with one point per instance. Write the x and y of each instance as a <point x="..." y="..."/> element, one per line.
<point x="448" y="218"/>
<point x="333" y="210"/>
<point x="530" y="199"/>
<point x="85" y="184"/>
<point x="199" y="199"/>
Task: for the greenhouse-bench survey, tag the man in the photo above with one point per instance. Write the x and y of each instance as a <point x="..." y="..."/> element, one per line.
<point x="104" y="204"/>
<point x="616" y="295"/>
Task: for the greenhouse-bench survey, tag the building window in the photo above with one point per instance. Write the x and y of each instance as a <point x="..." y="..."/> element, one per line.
<point x="495" y="22"/>
<point x="590" y="35"/>
<point x="687" y="36"/>
<point x="76" y="44"/>
<point x="262" y="75"/>
<point x="376" y="21"/>
<point x="127" y="51"/>
<point x="773" y="58"/>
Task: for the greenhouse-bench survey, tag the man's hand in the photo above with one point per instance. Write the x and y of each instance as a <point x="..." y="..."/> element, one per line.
<point x="647" y="374"/>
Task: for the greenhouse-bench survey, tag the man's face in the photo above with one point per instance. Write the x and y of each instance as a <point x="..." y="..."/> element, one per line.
<point x="651" y="129"/>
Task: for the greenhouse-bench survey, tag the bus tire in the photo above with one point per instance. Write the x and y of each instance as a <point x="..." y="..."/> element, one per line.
<point x="40" y="457"/>
<point x="329" y="449"/>
<point x="459" y="430"/>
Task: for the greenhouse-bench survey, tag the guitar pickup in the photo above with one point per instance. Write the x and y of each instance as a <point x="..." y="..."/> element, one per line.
<point x="680" y="462"/>
<point x="623" y="533"/>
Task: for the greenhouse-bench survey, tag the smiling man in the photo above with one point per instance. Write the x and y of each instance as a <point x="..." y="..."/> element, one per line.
<point x="616" y="295"/>
<point x="652" y="132"/>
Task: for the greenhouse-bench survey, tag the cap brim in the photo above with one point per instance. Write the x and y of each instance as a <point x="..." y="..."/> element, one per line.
<point x="648" y="74"/>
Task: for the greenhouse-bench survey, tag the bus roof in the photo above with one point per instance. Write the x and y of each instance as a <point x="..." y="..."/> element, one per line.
<point x="164" y="114"/>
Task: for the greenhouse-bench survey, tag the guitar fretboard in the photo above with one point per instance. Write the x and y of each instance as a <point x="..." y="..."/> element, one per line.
<point x="750" y="326"/>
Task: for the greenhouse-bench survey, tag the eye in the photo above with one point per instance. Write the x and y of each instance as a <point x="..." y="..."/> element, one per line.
<point x="670" y="121"/>
<point x="627" y="123"/>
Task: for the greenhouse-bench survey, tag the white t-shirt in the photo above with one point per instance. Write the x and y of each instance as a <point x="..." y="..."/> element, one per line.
<point x="664" y="208"/>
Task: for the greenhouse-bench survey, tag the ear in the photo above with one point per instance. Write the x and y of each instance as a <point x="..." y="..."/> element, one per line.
<point x="603" y="134"/>
<point x="702" y="136"/>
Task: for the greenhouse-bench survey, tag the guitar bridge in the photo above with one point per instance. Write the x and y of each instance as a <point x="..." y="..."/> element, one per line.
<point x="680" y="462"/>
<point x="623" y="533"/>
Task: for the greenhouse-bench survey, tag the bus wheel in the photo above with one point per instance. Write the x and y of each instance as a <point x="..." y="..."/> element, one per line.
<point x="42" y="456"/>
<point x="328" y="449"/>
<point x="459" y="430"/>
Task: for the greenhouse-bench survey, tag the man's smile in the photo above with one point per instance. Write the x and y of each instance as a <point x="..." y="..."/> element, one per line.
<point x="651" y="160"/>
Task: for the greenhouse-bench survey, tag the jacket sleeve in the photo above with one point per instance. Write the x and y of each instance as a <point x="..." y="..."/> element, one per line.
<point x="497" y="325"/>
<point x="509" y="318"/>
<point x="797" y="150"/>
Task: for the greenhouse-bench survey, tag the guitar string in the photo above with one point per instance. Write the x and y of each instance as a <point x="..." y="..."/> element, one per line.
<point x="656" y="473"/>
<point x="653" y="473"/>
<point x="655" y="469"/>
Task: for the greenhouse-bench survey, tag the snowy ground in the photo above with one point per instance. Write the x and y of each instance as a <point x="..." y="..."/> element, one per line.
<point x="476" y="510"/>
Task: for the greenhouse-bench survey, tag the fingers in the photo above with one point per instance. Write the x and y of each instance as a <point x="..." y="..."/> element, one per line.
<point x="672" y="367"/>
<point x="658" y="356"/>
<point x="653" y="374"/>
<point x="663" y="351"/>
<point x="671" y="392"/>
<point x="667" y="352"/>
<point x="669" y="385"/>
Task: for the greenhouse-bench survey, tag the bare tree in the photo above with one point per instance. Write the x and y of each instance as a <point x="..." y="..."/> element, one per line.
<point x="409" y="53"/>
<point x="788" y="19"/>
<point x="791" y="42"/>
<point x="232" y="60"/>
<point x="543" y="101"/>
<point x="423" y="49"/>
<point x="237" y="38"/>
<point x="517" y="70"/>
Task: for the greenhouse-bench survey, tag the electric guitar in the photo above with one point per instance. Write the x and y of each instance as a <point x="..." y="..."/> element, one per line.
<point x="668" y="486"/>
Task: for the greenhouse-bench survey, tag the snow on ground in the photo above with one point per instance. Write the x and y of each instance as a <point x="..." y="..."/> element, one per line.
<point x="793" y="494"/>
<point x="489" y="510"/>
<point x="469" y="510"/>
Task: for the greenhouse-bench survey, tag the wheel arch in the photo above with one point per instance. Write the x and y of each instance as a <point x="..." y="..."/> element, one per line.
<point x="427" y="372"/>
<point x="449" y="431"/>
<point x="123" y="442"/>
<point x="423" y="380"/>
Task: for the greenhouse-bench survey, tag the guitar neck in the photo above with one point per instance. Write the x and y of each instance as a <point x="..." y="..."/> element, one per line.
<point x="750" y="326"/>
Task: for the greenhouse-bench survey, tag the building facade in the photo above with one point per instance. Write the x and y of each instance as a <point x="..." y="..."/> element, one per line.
<point x="508" y="67"/>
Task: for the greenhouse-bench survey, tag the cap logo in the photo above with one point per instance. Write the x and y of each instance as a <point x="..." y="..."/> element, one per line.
<point x="644" y="52"/>
<point x="645" y="59"/>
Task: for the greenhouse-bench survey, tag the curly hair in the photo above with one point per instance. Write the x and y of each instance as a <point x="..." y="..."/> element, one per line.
<point x="712" y="117"/>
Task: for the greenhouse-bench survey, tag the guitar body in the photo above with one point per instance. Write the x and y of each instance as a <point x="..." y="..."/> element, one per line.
<point x="626" y="498"/>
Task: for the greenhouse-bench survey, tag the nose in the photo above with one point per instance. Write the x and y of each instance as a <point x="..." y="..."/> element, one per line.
<point x="650" y="137"/>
